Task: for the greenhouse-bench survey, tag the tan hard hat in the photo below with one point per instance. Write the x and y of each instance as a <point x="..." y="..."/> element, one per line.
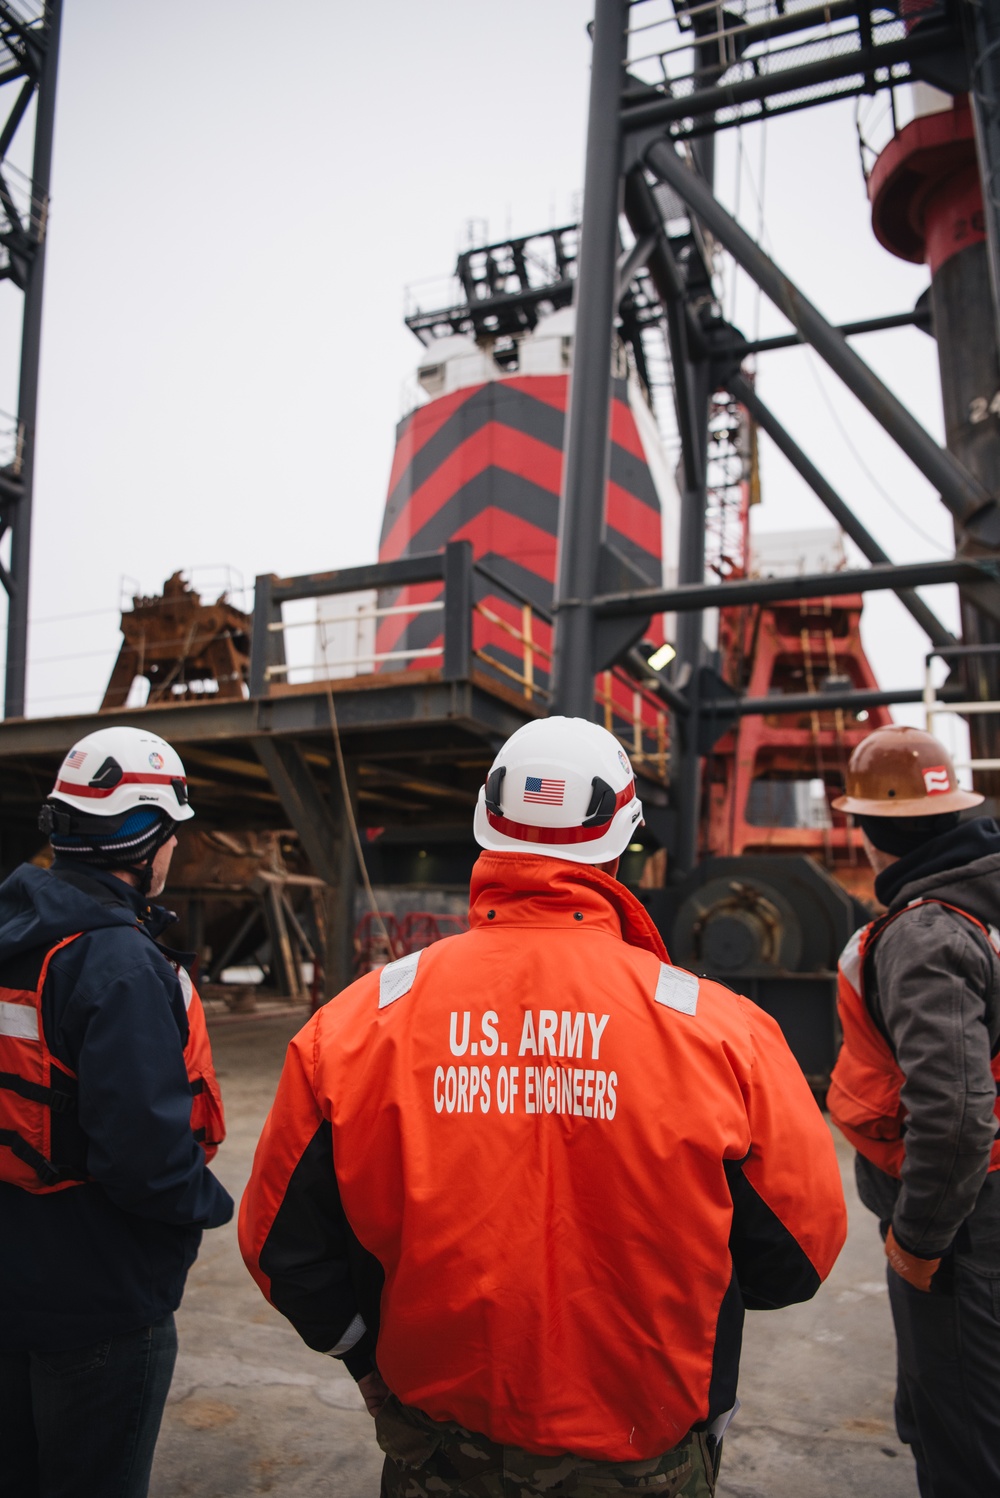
<point x="902" y="772"/>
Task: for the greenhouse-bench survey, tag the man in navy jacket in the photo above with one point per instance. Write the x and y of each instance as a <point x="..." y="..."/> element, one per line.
<point x="104" y="1187"/>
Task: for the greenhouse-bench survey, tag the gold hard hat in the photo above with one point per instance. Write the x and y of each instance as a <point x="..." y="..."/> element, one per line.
<point x="902" y="772"/>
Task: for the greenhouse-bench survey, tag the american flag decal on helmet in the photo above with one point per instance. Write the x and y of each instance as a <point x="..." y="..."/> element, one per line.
<point x="76" y="759"/>
<point x="937" y="780"/>
<point x="545" y="792"/>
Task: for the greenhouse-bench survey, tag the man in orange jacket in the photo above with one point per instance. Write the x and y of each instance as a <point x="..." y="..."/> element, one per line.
<point x="525" y="1182"/>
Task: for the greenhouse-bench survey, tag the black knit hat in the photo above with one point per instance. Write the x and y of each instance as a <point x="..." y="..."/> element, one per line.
<point x="130" y="845"/>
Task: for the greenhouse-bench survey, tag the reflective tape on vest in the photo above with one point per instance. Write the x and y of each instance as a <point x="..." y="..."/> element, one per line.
<point x="527" y="832"/>
<point x="20" y="1021"/>
<point x="676" y="989"/>
<point x="184" y="979"/>
<point x="397" y="978"/>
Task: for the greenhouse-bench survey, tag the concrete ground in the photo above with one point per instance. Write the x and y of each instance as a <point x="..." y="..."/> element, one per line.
<point x="252" y="1410"/>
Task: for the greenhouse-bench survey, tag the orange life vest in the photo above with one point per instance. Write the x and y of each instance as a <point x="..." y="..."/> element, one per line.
<point x="864" y="1096"/>
<point x="35" y="1085"/>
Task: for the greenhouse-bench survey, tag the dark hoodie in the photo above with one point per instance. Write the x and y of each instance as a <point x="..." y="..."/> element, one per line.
<point x="933" y="987"/>
<point x="96" y="1260"/>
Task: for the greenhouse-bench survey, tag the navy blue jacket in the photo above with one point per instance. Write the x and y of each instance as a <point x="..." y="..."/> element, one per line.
<point x="107" y="1257"/>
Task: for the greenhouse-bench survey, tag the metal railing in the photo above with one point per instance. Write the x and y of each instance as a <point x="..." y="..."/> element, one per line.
<point x="513" y="652"/>
<point x="721" y="63"/>
<point x="367" y="659"/>
<point x="534" y="655"/>
<point x="935" y="708"/>
<point x="455" y="654"/>
<point x="642" y="726"/>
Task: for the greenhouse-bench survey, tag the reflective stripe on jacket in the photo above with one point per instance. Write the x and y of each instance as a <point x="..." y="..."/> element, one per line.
<point x="865" y="1086"/>
<point x="35" y="1086"/>
<point x="575" y="1164"/>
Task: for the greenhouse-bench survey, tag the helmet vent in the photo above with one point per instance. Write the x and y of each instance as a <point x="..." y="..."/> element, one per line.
<point x="602" y="804"/>
<point x="493" y="784"/>
<point x="108" y="776"/>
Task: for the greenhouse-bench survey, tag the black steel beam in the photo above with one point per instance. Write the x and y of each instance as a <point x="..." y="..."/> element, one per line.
<point x="963" y="494"/>
<point x="456" y="664"/>
<point x="21" y="28"/>
<point x="383" y="712"/>
<point x="480" y="311"/>
<point x="741" y="388"/>
<point x="307" y="811"/>
<point x="425" y="567"/>
<point x="982" y="19"/>
<point x="630" y="264"/>
<point x="783" y="589"/>
<point x="919" y="318"/>
<point x="927" y="41"/>
<point x="587" y="446"/>
<point x="267" y="643"/>
<point x="960" y="652"/>
<point x="31" y="342"/>
<point x="814" y="702"/>
<point x="496" y="581"/>
<point x="637" y="666"/>
<point x="685" y="336"/>
<point x="742" y="34"/>
<point x="15" y="117"/>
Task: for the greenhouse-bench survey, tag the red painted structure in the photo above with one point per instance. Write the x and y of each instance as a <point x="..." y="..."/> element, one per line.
<point x="484" y="464"/>
<point x="750" y="776"/>
<point x="926" y="197"/>
<point x="381" y="937"/>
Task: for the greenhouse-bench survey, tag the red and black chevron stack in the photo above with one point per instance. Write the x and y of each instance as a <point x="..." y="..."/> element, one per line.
<point x="484" y="464"/>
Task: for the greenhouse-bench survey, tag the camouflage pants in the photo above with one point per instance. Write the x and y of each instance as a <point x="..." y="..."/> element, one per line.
<point x="427" y="1459"/>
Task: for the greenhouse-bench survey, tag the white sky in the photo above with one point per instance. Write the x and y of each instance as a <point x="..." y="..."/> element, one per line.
<point x="242" y="191"/>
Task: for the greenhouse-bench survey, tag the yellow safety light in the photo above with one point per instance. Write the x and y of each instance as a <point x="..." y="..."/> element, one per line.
<point x="661" y="657"/>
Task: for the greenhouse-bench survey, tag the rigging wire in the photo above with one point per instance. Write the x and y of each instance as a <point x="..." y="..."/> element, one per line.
<point x="876" y="484"/>
<point x="345" y="789"/>
<point x="737" y="194"/>
<point x="761" y="227"/>
<point x="763" y="239"/>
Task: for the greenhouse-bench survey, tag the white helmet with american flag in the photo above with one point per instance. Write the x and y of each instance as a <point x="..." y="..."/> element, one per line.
<point x="561" y="787"/>
<point x="112" y="773"/>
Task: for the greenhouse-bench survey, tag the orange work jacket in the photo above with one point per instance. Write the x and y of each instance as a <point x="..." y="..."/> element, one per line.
<point x="535" y="1127"/>
<point x="866" y="1083"/>
<point x="34" y="1085"/>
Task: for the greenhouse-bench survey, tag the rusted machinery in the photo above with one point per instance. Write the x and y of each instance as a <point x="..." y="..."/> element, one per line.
<point x="247" y="902"/>
<point x="773" y="928"/>
<point x="181" y="646"/>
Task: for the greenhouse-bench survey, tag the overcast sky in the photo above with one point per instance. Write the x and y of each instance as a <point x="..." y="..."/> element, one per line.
<point x="241" y="193"/>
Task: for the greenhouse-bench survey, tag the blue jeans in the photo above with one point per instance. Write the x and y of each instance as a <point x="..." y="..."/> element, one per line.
<point x="83" y="1423"/>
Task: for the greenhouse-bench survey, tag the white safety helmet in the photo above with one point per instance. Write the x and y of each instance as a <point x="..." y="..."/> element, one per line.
<point x="112" y="773"/>
<point x="561" y="787"/>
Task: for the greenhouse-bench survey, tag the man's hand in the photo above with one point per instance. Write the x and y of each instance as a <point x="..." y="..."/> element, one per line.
<point x="373" y="1392"/>
<point x="916" y="1272"/>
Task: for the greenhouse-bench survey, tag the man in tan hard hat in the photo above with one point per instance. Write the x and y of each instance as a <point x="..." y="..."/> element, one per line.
<point x="915" y="1090"/>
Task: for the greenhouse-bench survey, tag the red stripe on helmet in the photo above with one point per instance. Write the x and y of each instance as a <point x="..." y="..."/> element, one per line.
<point x="526" y="832"/>
<point x="130" y="777"/>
